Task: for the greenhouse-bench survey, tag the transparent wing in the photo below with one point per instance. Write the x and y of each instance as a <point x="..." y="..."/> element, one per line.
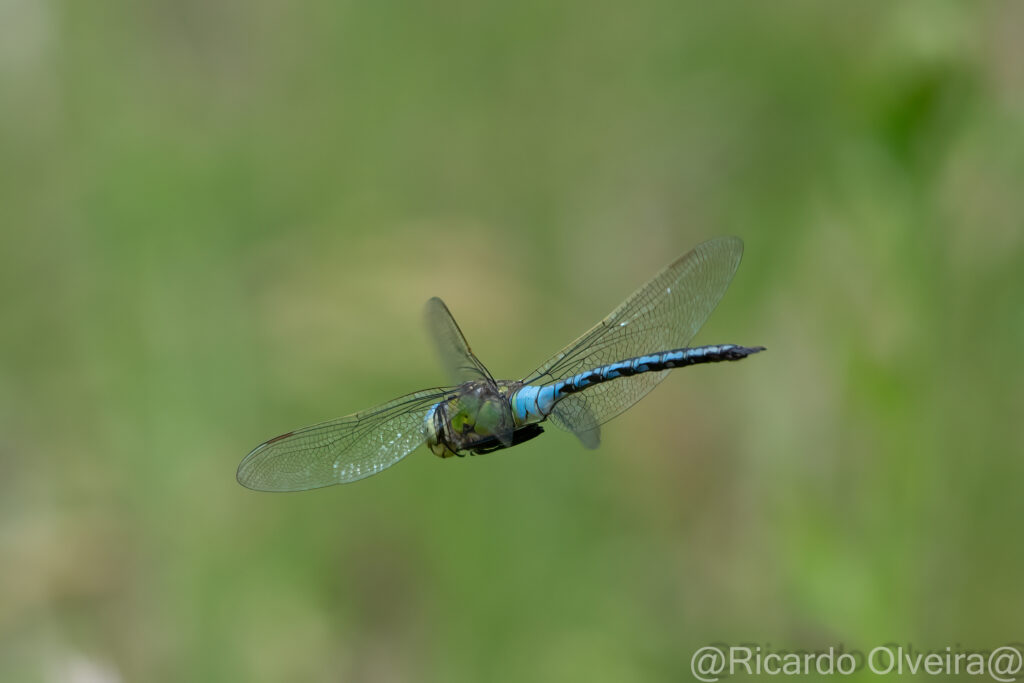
<point x="342" y="450"/>
<point x="456" y="357"/>
<point x="664" y="314"/>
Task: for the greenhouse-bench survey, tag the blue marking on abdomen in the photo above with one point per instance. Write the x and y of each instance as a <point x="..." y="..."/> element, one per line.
<point x="524" y="403"/>
<point x="614" y="370"/>
<point x="535" y="403"/>
<point x="642" y="364"/>
<point x="546" y="399"/>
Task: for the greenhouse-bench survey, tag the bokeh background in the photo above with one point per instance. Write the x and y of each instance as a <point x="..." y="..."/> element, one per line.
<point x="220" y="220"/>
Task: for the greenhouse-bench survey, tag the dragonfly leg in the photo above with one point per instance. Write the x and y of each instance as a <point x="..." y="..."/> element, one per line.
<point x="521" y="435"/>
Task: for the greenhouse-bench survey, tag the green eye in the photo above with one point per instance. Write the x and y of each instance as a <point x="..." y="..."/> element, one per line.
<point x="460" y="420"/>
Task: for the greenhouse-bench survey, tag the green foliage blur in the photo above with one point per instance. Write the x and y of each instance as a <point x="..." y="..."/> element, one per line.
<point x="219" y="221"/>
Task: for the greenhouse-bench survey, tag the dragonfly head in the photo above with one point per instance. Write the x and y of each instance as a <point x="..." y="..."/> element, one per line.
<point x="434" y="429"/>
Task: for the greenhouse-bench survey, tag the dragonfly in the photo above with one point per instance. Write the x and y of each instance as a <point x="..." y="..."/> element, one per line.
<point x="595" y="378"/>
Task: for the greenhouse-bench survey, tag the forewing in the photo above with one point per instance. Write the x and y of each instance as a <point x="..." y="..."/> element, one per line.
<point x="664" y="314"/>
<point x="342" y="450"/>
<point x="458" y="359"/>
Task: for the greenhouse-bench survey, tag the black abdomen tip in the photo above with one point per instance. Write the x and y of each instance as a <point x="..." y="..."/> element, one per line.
<point x="737" y="352"/>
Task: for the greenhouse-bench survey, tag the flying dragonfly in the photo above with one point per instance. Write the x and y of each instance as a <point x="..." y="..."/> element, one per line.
<point x="593" y="379"/>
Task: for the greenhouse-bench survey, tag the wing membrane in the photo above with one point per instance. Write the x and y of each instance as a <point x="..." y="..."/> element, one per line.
<point x="664" y="314"/>
<point x="457" y="358"/>
<point x="343" y="450"/>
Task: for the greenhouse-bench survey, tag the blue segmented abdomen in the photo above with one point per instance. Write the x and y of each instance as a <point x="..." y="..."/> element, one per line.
<point x="534" y="403"/>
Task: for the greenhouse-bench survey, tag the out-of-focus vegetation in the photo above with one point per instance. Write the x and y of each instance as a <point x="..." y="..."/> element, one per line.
<point x="219" y="221"/>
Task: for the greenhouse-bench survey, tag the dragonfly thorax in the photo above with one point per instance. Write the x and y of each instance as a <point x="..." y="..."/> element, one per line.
<point x="478" y="418"/>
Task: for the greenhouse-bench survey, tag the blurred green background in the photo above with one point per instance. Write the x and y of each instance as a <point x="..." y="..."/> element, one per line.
<point x="220" y="220"/>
